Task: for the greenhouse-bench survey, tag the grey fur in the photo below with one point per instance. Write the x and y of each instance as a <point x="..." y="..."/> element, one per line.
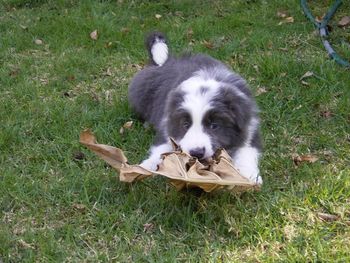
<point x="155" y="97"/>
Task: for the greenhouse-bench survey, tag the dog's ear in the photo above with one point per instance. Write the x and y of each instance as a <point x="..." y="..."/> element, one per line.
<point x="239" y="108"/>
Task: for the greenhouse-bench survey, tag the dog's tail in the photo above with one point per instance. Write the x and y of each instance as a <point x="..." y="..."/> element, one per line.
<point x="157" y="48"/>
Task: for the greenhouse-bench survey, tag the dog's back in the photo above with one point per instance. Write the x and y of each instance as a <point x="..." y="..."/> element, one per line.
<point x="149" y="89"/>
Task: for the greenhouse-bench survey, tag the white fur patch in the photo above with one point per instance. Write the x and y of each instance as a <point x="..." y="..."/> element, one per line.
<point x="198" y="94"/>
<point x="222" y="72"/>
<point x="155" y="156"/>
<point x="246" y="160"/>
<point x="159" y="52"/>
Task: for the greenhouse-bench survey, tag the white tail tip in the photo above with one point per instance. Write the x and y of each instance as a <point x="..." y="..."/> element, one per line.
<point x="159" y="51"/>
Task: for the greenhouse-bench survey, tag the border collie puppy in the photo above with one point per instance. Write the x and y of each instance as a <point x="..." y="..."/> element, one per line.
<point x="199" y="102"/>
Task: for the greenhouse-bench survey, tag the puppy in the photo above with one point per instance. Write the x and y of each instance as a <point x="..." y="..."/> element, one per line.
<point x="199" y="102"/>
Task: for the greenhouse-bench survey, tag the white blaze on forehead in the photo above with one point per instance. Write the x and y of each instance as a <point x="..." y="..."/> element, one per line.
<point x="198" y="94"/>
<point x="197" y="101"/>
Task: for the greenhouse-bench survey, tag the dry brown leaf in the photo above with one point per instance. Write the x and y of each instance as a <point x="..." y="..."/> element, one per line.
<point x="208" y="44"/>
<point x="137" y="66"/>
<point x="94" y="35"/>
<point x="345" y="21"/>
<point x="25" y="245"/>
<point x="182" y="169"/>
<point x="307" y="75"/>
<point x="108" y="72"/>
<point x="260" y="90"/>
<point x="109" y="44"/>
<point x="289" y="19"/>
<point x="80" y="207"/>
<point x="158" y="16"/>
<point x="14" y="72"/>
<point x="38" y="41"/>
<point x="309" y="158"/>
<point x="305" y="83"/>
<point x="78" y="156"/>
<point x="319" y="18"/>
<point x="282" y="14"/>
<point x="326" y="114"/>
<point x="125" y="30"/>
<point x="126" y="126"/>
<point x="328" y="217"/>
<point x="189" y="33"/>
<point x="148" y="227"/>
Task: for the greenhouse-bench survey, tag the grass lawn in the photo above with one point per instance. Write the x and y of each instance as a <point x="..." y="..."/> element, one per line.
<point x="60" y="203"/>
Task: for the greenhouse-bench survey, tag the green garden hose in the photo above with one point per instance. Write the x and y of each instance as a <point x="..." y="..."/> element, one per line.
<point x="322" y="27"/>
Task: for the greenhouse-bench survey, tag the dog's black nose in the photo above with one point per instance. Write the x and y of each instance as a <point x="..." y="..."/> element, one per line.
<point x="197" y="152"/>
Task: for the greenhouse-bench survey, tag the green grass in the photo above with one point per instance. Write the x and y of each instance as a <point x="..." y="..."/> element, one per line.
<point x="55" y="208"/>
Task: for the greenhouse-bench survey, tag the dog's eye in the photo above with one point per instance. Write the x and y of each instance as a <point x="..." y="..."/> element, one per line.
<point x="214" y="125"/>
<point x="186" y="125"/>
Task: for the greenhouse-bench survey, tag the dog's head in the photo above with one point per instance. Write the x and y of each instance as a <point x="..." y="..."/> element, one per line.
<point x="204" y="115"/>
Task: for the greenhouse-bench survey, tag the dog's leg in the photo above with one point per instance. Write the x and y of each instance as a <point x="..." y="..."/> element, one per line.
<point x="154" y="158"/>
<point x="246" y="160"/>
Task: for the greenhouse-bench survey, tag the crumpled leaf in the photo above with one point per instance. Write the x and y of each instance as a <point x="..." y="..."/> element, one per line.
<point x="307" y="75"/>
<point x="38" y="41"/>
<point x="345" y="21"/>
<point x="328" y="217"/>
<point x="94" y="35"/>
<point x="309" y="158"/>
<point x="282" y="14"/>
<point x="126" y="126"/>
<point x="289" y="19"/>
<point x="183" y="170"/>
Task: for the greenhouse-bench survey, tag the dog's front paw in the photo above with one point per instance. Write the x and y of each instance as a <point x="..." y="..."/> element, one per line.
<point x="251" y="173"/>
<point x="151" y="164"/>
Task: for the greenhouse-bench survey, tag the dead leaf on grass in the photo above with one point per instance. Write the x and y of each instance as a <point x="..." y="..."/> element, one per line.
<point x="79" y="207"/>
<point x="326" y="114"/>
<point x="14" y="73"/>
<point x="38" y="42"/>
<point x="126" y="126"/>
<point x="261" y="90"/>
<point x="108" y="72"/>
<point x="345" y="21"/>
<point x="308" y="158"/>
<point x="125" y="30"/>
<point x="208" y="44"/>
<point x="283" y="74"/>
<point x="189" y="33"/>
<point x="94" y="35"/>
<point x="319" y="18"/>
<point x="307" y="75"/>
<point x="148" y="227"/>
<point x="328" y="217"/>
<point x="78" y="155"/>
<point x="108" y="44"/>
<point x="24" y="244"/>
<point x="289" y="19"/>
<point x="305" y="83"/>
<point x="137" y="66"/>
<point x="282" y="14"/>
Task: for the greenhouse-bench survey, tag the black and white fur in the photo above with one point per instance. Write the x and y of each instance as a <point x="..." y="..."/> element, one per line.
<point x="199" y="102"/>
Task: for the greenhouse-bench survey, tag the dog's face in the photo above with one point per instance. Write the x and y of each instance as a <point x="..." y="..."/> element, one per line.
<point x="205" y="115"/>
